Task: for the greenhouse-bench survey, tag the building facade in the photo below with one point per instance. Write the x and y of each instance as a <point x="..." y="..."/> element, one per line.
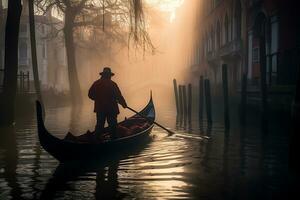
<point x="247" y="35"/>
<point x="222" y="41"/>
<point x="51" y="54"/>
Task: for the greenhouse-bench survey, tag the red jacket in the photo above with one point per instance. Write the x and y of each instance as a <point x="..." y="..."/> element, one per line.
<point x="106" y="95"/>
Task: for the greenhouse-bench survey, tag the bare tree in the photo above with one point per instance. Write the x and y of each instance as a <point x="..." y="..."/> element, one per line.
<point x="11" y="62"/>
<point x="33" y="52"/>
<point x="91" y="14"/>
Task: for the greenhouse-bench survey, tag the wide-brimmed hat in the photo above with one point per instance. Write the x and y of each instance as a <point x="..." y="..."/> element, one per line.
<point x="106" y="71"/>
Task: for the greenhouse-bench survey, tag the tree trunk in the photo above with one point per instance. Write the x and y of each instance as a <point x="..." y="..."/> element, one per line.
<point x="7" y="113"/>
<point x="263" y="82"/>
<point x="33" y="52"/>
<point x="71" y="60"/>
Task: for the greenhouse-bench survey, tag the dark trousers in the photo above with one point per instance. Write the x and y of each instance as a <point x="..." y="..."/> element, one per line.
<point x="111" y="120"/>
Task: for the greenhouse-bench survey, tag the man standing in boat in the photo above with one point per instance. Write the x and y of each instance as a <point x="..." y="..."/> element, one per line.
<point x="106" y="95"/>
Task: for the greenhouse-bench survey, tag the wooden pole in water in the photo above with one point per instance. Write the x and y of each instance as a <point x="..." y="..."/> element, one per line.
<point x="18" y="83"/>
<point x="180" y="100"/>
<point x="294" y="163"/>
<point x="243" y="99"/>
<point x="201" y="97"/>
<point x="184" y="101"/>
<point x="207" y="100"/>
<point x="225" y="95"/>
<point x="22" y="82"/>
<point x="190" y="101"/>
<point x="28" y="84"/>
<point x="176" y="95"/>
<point x="263" y="81"/>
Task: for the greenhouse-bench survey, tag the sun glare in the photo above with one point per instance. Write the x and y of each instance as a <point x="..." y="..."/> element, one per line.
<point x="169" y="6"/>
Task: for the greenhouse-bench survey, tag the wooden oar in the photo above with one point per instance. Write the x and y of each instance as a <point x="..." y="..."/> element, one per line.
<point x="161" y="126"/>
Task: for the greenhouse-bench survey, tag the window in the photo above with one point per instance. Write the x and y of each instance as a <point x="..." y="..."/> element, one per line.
<point x="43" y="28"/>
<point x="23" y="50"/>
<point x="226" y="29"/>
<point x="214" y="3"/>
<point x="44" y="50"/>
<point x="218" y="32"/>
<point x="255" y="55"/>
<point x="212" y="39"/>
<point x="23" y="28"/>
<point x="238" y="20"/>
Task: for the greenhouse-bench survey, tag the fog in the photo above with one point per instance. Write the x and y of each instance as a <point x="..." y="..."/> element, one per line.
<point x="138" y="71"/>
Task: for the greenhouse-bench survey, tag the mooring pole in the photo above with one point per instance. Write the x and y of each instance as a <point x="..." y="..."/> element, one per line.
<point x="243" y="103"/>
<point x="208" y="101"/>
<point x="190" y="101"/>
<point x="184" y="101"/>
<point x="176" y="95"/>
<point x="180" y="100"/>
<point x="28" y="82"/>
<point x="22" y="82"/>
<point x="201" y="97"/>
<point x="263" y="82"/>
<point x="225" y="95"/>
<point x="294" y="162"/>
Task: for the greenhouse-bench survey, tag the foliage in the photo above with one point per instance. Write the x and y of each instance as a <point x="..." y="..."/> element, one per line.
<point x="121" y="21"/>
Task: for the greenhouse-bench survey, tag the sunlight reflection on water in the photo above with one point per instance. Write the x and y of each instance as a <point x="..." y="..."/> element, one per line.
<point x="242" y="163"/>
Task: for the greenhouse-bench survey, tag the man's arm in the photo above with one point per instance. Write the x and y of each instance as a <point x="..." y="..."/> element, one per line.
<point x="92" y="92"/>
<point x="119" y="96"/>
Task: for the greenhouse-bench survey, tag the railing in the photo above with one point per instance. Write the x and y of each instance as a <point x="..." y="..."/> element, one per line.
<point x="23" y="82"/>
<point x="212" y="55"/>
<point x="23" y="61"/>
<point x="232" y="48"/>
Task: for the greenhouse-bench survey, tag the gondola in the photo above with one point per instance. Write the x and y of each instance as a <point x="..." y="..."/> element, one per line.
<point x="132" y="132"/>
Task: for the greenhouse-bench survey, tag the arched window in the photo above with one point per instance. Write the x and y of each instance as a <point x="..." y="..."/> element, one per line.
<point x="206" y="43"/>
<point x="226" y="29"/>
<point x="238" y="19"/>
<point x="23" y="50"/>
<point x="212" y="35"/>
<point x="218" y="34"/>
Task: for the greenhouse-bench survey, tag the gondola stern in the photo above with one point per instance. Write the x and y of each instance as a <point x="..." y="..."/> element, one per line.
<point x="39" y="115"/>
<point x="42" y="131"/>
<point x="150" y="94"/>
<point x="151" y="104"/>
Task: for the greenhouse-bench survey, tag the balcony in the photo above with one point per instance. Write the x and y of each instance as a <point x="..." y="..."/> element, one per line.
<point x="195" y="68"/>
<point x="231" y="49"/>
<point x="253" y="3"/>
<point x="23" y="62"/>
<point x="212" y="56"/>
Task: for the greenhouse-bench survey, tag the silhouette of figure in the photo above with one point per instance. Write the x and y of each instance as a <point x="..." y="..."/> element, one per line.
<point x="106" y="95"/>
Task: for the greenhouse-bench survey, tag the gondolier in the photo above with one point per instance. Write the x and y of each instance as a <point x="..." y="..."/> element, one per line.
<point x="106" y="95"/>
<point x="133" y="132"/>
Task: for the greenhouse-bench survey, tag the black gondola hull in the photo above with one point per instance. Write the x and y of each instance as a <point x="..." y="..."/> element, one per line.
<point x="64" y="150"/>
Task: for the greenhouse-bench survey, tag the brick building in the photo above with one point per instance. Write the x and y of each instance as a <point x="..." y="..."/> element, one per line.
<point x="222" y="40"/>
<point x="241" y="33"/>
<point x="276" y="23"/>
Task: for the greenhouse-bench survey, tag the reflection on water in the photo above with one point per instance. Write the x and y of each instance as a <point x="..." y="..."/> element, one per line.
<point x="198" y="162"/>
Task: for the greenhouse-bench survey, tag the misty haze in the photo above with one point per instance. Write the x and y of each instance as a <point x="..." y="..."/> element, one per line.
<point x="149" y="99"/>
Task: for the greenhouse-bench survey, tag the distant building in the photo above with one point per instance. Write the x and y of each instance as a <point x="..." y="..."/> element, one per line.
<point x="277" y="24"/>
<point x="229" y="32"/>
<point x="51" y="54"/>
<point x="222" y="40"/>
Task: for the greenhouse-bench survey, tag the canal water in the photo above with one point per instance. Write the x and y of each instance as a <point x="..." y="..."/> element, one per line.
<point x="198" y="162"/>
